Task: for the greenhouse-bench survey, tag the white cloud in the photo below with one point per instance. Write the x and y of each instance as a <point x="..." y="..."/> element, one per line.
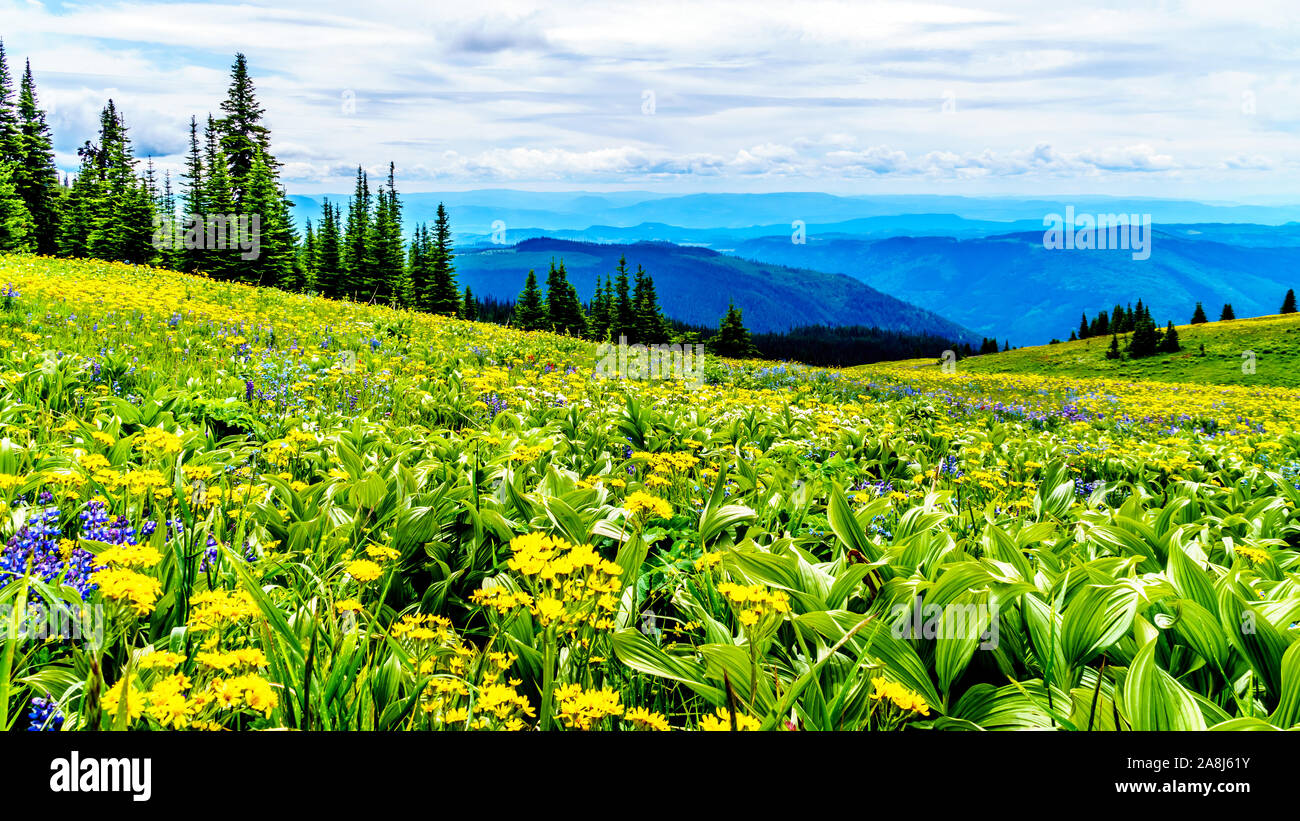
<point x="751" y="94"/>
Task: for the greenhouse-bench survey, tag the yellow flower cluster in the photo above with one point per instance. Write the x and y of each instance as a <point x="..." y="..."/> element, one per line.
<point x="135" y="590"/>
<point x="754" y="602"/>
<point x="129" y="555"/>
<point x="644" y="506"/>
<point x="579" y="709"/>
<point x="720" y="721"/>
<point x="898" y="695"/>
<point x="212" y="609"/>
<point x="572" y="585"/>
<point x="364" y="570"/>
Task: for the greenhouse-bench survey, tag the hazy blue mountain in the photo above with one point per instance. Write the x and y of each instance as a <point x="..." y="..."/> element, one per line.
<point x="474" y="212"/>
<point x="1012" y="287"/>
<point x="695" y="284"/>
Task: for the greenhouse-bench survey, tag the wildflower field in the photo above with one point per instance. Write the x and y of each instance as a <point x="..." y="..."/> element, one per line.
<point x="265" y="510"/>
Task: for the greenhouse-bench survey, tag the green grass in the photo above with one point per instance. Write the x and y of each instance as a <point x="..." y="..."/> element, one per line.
<point x="1212" y="354"/>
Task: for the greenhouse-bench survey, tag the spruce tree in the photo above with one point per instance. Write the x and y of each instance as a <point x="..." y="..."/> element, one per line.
<point x="598" y="315"/>
<point x="307" y="257"/>
<point x="1083" y="327"/>
<point x="1145" y="340"/>
<point x="10" y="149"/>
<point x="1198" y="316"/>
<point x="1288" y="303"/>
<point x="358" y="260"/>
<point x="417" y="270"/>
<point x="1227" y="313"/>
<point x="530" y="312"/>
<point x="623" y="315"/>
<point x="650" y="323"/>
<point x="1113" y="351"/>
<point x="444" y="294"/>
<point x="733" y="339"/>
<point x="35" y="176"/>
<point x="1169" y="342"/>
<point x="16" y="226"/>
<point x="329" y="253"/>
<point x="469" y="305"/>
<point x="243" y="137"/>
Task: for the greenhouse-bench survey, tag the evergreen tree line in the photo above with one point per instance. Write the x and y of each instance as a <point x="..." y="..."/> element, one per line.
<point x="622" y="306"/>
<point x="112" y="210"/>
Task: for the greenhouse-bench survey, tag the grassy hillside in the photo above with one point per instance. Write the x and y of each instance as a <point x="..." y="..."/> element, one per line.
<point x="299" y="513"/>
<point x="1275" y="341"/>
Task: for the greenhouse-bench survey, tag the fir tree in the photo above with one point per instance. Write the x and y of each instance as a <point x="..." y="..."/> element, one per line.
<point x="1288" y="303"/>
<point x="444" y="294"/>
<point x="1198" y="316"/>
<point x="243" y="137"/>
<point x="1113" y="351"/>
<point x="1227" y="313"/>
<point x="35" y="177"/>
<point x="16" y="226"/>
<point x="357" y="258"/>
<point x="623" y="315"/>
<point x="650" y="323"/>
<point x="1169" y="342"/>
<point x="307" y="257"/>
<point x="329" y="253"/>
<point x="732" y="339"/>
<point x="1083" y="328"/>
<point x="10" y="149"/>
<point x="530" y="312"/>
<point x="1145" y="340"/>
<point x="469" y="305"/>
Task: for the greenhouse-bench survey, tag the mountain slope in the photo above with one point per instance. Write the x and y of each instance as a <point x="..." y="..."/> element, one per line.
<point x="695" y="284"/>
<point x="1010" y="287"/>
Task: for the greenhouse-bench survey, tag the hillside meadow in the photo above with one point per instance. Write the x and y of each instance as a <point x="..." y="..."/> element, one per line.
<point x="271" y="510"/>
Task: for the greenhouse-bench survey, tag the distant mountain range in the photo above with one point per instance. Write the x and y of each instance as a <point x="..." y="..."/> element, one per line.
<point x="979" y="262"/>
<point x="1010" y="287"/>
<point x="695" y="286"/>
<point x="475" y="212"/>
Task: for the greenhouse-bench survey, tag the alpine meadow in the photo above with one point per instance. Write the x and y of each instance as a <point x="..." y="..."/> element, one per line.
<point x="335" y="462"/>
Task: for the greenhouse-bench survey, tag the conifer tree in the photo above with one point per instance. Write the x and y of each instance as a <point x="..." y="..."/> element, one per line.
<point x="1145" y="340"/>
<point x="329" y="253"/>
<point x="1083" y="327"/>
<point x="1198" y="316"/>
<point x="623" y="314"/>
<point x="35" y="177"/>
<point x="357" y="258"/>
<point x="469" y="305"/>
<point x="733" y="339"/>
<point x="1227" y="313"/>
<point x="16" y="226"/>
<point x="1169" y="342"/>
<point x="243" y="137"/>
<point x="530" y="312"/>
<point x="307" y="257"/>
<point x="1113" y="351"/>
<point x="10" y="149"/>
<point x="444" y="294"/>
<point x="1288" y="302"/>
<point x="417" y="269"/>
<point x="650" y="323"/>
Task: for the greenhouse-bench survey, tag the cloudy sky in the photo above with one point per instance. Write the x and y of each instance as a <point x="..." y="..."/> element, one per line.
<point x="1179" y="98"/>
